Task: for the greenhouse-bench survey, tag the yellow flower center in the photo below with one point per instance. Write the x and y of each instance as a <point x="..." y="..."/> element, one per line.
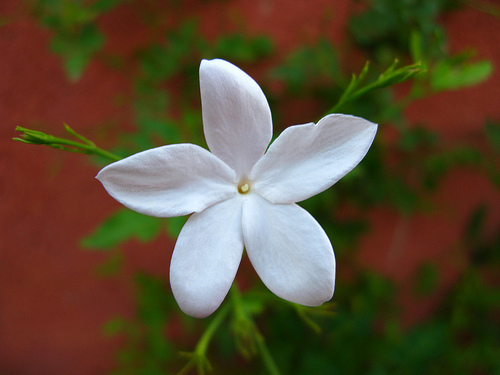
<point x="243" y="188"/>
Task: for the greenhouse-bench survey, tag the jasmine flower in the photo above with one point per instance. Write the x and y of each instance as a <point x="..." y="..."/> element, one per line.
<point x="240" y="196"/>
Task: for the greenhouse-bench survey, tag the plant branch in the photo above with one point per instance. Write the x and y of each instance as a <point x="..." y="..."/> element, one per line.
<point x="390" y="77"/>
<point x="85" y="146"/>
<point x="198" y="357"/>
<point x="249" y="339"/>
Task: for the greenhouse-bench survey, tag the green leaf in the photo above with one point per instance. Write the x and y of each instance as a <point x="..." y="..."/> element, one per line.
<point x="157" y="63"/>
<point x="437" y="165"/>
<point x="114" y="326"/>
<point x="237" y="47"/>
<point x="447" y="75"/>
<point x="77" y="48"/>
<point x="63" y="15"/>
<point x="493" y="135"/>
<point x="153" y="299"/>
<point x="419" y="136"/>
<point x="475" y="223"/>
<point x="111" y="266"/>
<point x="386" y="27"/>
<point x="101" y="6"/>
<point x="427" y="279"/>
<point x="175" y="224"/>
<point x="310" y="67"/>
<point x="402" y="196"/>
<point x="121" y="226"/>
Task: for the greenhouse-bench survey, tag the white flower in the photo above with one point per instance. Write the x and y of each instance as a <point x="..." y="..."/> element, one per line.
<point x="241" y="196"/>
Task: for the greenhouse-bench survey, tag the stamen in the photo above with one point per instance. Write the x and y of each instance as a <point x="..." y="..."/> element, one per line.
<point x="243" y="189"/>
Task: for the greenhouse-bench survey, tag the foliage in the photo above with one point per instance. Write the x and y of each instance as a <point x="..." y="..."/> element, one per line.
<point x="148" y="350"/>
<point x="76" y="36"/>
<point x="360" y="333"/>
<point x="121" y="226"/>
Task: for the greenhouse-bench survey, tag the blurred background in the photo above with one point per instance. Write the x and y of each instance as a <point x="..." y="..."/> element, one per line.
<point x="84" y="283"/>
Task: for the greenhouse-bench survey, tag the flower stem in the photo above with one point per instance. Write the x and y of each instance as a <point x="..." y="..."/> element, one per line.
<point x="268" y="360"/>
<point x="390" y="77"/>
<point x="202" y="345"/>
<point x="86" y="146"/>
<point x="246" y="327"/>
<point x="198" y="357"/>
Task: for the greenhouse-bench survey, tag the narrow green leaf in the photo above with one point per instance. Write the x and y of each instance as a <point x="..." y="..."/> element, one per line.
<point x="121" y="226"/>
<point x="416" y="45"/>
<point x="447" y="76"/>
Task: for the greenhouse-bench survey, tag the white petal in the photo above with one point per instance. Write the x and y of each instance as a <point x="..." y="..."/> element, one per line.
<point x="307" y="159"/>
<point x="169" y="181"/>
<point x="236" y="116"/>
<point x="206" y="257"/>
<point x="289" y="250"/>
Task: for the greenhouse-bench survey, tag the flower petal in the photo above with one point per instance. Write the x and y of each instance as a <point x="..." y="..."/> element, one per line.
<point x="169" y="181"/>
<point x="236" y="116"/>
<point x="289" y="250"/>
<point x="307" y="159"/>
<point x="206" y="257"/>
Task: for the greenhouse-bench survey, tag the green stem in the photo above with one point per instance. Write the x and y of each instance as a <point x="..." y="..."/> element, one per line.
<point x="268" y="360"/>
<point x="236" y="301"/>
<point x="202" y="346"/>
<point x="339" y="104"/>
<point x="198" y="356"/>
<point x="85" y="146"/>
<point x="387" y="78"/>
<point x="241" y="315"/>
